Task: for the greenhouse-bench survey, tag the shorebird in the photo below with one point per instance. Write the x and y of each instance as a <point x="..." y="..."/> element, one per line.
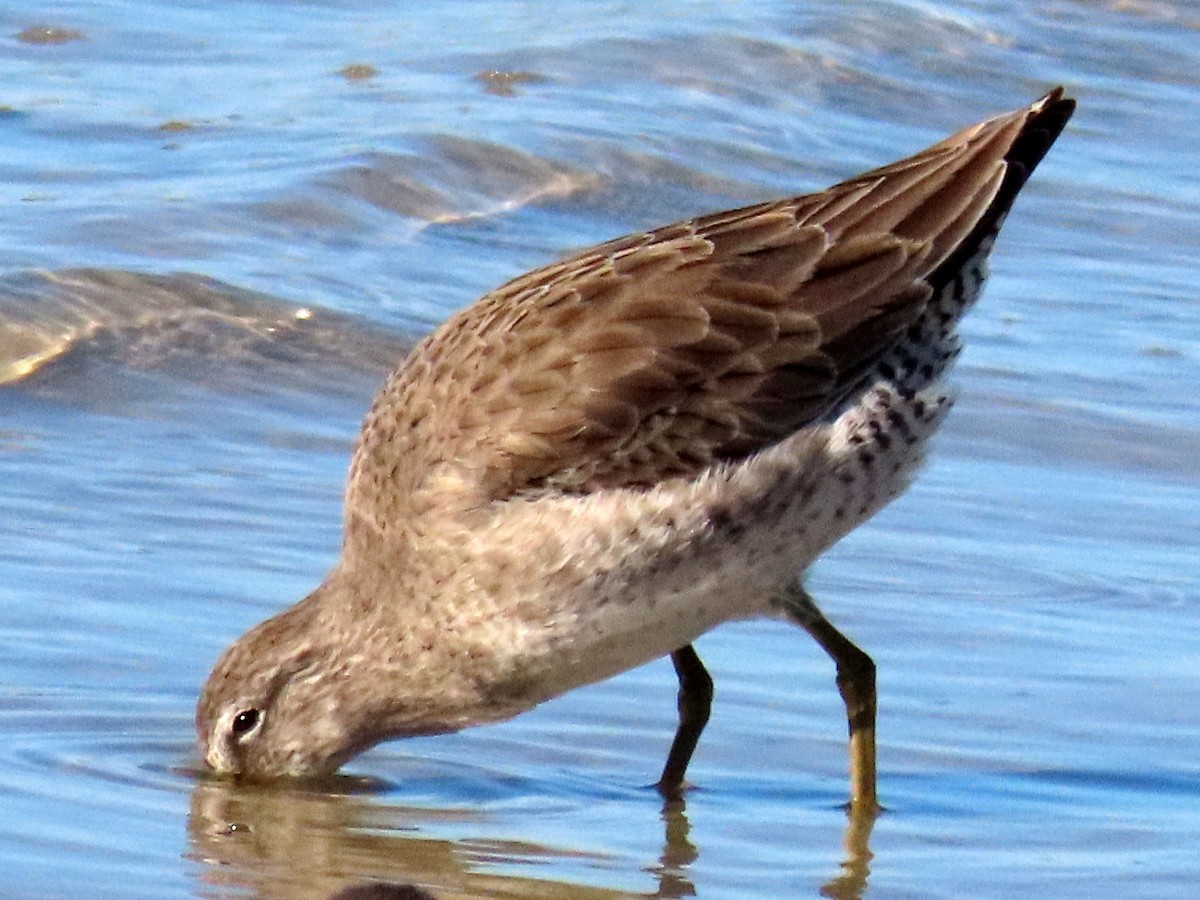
<point x="603" y="459"/>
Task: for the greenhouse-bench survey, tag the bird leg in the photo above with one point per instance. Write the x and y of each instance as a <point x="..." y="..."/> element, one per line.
<point x="855" y="681"/>
<point x="695" y="701"/>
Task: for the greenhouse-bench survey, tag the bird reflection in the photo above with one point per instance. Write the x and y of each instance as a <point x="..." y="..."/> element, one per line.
<point x="382" y="891"/>
<point x="678" y="852"/>
<point x="336" y="840"/>
<point x="851" y="882"/>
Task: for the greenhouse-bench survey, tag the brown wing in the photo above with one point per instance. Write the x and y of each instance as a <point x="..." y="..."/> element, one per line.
<point x="655" y="355"/>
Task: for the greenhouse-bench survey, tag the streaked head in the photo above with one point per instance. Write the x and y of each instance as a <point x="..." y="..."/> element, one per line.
<point x="273" y="705"/>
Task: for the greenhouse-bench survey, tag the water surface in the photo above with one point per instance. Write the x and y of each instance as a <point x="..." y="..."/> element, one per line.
<point x="225" y="223"/>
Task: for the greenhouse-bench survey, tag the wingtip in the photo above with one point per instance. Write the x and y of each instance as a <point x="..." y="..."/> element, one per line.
<point x="1054" y="102"/>
<point x="1053" y="95"/>
<point x="1043" y="123"/>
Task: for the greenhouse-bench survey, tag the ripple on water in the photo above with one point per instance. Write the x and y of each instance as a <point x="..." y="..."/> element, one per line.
<point x="112" y="742"/>
<point x="87" y="768"/>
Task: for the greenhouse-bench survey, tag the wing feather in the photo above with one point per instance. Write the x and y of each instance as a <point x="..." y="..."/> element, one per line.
<point x="658" y="354"/>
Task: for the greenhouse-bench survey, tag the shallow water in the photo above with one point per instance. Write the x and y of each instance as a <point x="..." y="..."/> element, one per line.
<point x="223" y="225"/>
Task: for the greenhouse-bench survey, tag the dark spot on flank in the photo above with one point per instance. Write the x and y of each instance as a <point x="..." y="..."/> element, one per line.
<point x="900" y="424"/>
<point x="720" y="518"/>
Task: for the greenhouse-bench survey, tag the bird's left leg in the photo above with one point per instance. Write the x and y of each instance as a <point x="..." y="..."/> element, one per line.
<point x="695" y="701"/>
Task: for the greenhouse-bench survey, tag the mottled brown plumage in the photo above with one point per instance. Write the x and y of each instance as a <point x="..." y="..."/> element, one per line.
<point x="654" y="355"/>
<point x="578" y="438"/>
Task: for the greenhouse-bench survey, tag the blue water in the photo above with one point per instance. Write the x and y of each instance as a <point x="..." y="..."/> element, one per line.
<point x="216" y="241"/>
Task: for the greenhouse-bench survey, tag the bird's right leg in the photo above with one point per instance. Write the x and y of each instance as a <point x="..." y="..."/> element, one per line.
<point x="855" y="681"/>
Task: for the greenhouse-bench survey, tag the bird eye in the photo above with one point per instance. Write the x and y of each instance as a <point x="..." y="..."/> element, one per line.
<point x="245" y="722"/>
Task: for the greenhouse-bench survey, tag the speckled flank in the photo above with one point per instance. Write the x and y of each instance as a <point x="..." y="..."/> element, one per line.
<point x="605" y="458"/>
